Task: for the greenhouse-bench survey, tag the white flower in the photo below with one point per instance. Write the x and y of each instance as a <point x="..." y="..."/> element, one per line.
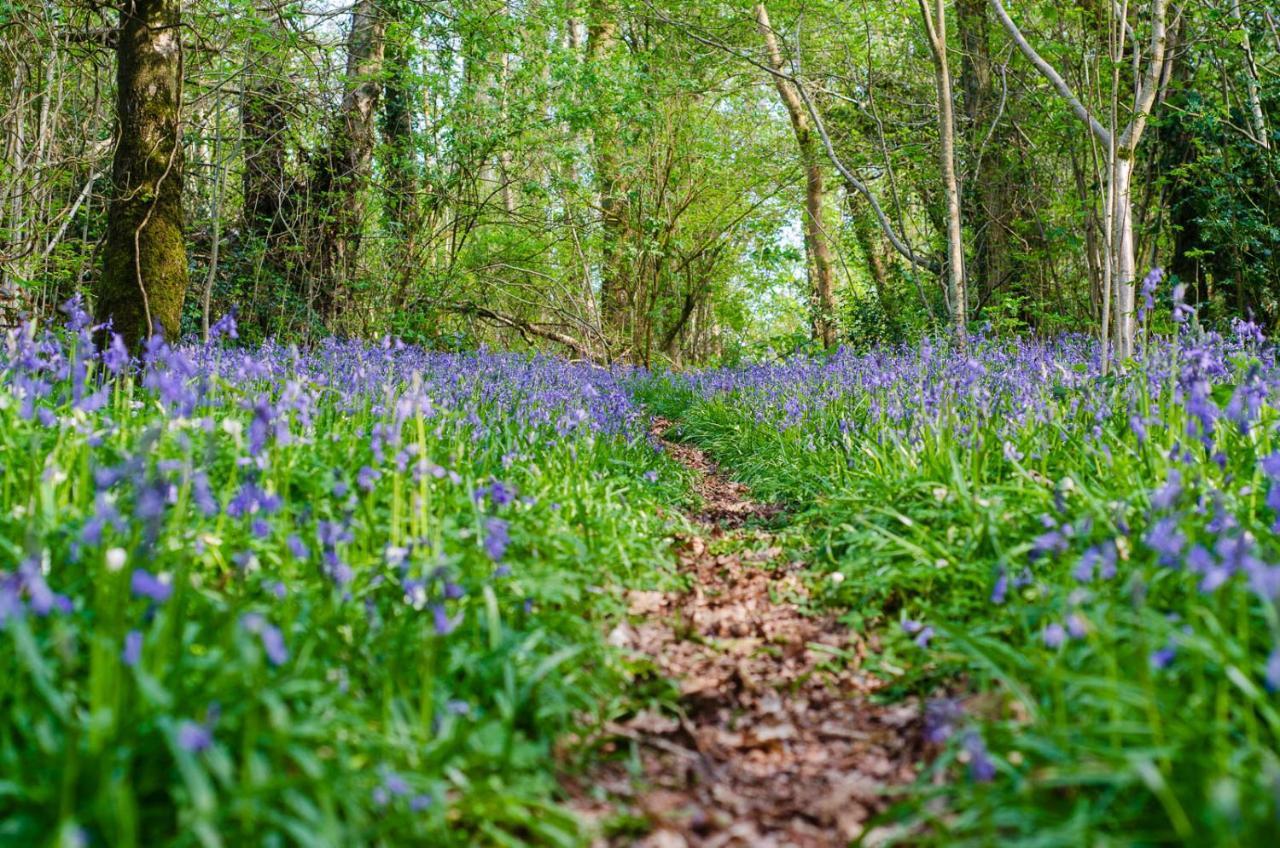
<point x="115" y="559"/>
<point x="837" y="577"/>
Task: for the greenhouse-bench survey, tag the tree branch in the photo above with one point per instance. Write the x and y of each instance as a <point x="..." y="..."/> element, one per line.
<point x="1055" y="79"/>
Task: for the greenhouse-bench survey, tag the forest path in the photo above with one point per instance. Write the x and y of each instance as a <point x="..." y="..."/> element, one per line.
<point x="776" y="741"/>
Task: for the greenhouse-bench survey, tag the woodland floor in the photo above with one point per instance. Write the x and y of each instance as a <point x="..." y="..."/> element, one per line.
<point x="776" y="740"/>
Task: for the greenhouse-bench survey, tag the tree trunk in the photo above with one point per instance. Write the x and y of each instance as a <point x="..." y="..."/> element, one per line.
<point x="144" y="277"/>
<point x="817" y="245"/>
<point x="346" y="165"/>
<point x="1258" y="119"/>
<point x="1122" y="247"/>
<point x="1121" y="145"/>
<point x="935" y="23"/>
<point x="264" y="121"/>
<point x="989" y="191"/>
<point x="402" y="181"/>
<point x="870" y="242"/>
<point x="615" y="208"/>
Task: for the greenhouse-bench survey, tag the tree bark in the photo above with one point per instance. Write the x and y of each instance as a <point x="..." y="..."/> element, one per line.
<point x="402" y="173"/>
<point x="264" y="122"/>
<point x="615" y="207"/>
<point x="346" y="165"/>
<point x="935" y="24"/>
<point x="870" y="242"/>
<point x="817" y="245"/>
<point x="1121" y="146"/>
<point x="144" y="278"/>
<point x="1258" y="119"/>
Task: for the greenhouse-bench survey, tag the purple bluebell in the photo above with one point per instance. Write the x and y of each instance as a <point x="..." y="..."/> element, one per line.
<point x="496" y="538"/>
<point x="194" y="738"/>
<point x="145" y="584"/>
<point x="132" y="650"/>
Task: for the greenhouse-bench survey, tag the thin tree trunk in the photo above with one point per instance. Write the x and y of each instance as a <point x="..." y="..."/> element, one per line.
<point x="1121" y="146"/>
<point x="870" y="242"/>
<point x="264" y="122"/>
<point x="1252" y="84"/>
<point x="144" y="277"/>
<point x="403" y="178"/>
<point x="345" y="168"/>
<point x="935" y="23"/>
<point x="615" y="208"/>
<point x="817" y="246"/>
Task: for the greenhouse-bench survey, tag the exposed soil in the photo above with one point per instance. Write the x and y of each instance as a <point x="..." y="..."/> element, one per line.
<point x="777" y="743"/>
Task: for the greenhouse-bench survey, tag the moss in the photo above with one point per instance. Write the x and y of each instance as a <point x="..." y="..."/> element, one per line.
<point x="144" y="279"/>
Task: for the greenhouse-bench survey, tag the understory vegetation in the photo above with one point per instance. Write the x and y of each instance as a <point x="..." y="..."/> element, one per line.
<point x="344" y="597"/>
<point x="1077" y="570"/>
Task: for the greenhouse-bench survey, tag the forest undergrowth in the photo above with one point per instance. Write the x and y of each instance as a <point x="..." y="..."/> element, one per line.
<point x="369" y="594"/>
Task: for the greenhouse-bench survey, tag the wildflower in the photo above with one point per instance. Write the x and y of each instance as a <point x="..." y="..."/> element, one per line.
<point x="1166" y="540"/>
<point x="1054" y="636"/>
<point x="443" y="624"/>
<point x="1054" y="541"/>
<point x="1001" y="589"/>
<point x="144" y="584"/>
<point x="367" y="478"/>
<point x="272" y="638"/>
<point x="501" y="494"/>
<point x="297" y="548"/>
<point x="1167" y="495"/>
<point x="115" y="559"/>
<point x="194" y="738"/>
<point x="132" y="650"/>
<point x="1149" y="284"/>
<point x="116" y="357"/>
<point x="202" y="495"/>
<point x="1077" y="627"/>
<point x="981" y="767"/>
<point x="1163" y="657"/>
<point x="496" y="539"/>
<point x="1272" y="671"/>
<point x="940" y="718"/>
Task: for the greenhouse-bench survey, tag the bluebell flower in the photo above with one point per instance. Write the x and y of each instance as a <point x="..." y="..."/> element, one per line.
<point x="132" y="651"/>
<point x="145" y="584"/>
<point x="981" y="767"/>
<point x="194" y="738"/>
<point x="496" y="538"/>
<point x="1271" y="673"/>
<point x="443" y="624"/>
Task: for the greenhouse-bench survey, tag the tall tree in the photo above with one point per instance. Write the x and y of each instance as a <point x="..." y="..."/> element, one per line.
<point x="264" y="122"/>
<point x="816" y="238"/>
<point x="1120" y="145"/>
<point x="935" y="26"/>
<point x="399" y="102"/>
<point x="144" y="278"/>
<point x="346" y="165"/>
<point x="615" y="207"/>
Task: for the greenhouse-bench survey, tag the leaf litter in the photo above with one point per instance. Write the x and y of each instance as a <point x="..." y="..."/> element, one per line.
<point x="776" y="740"/>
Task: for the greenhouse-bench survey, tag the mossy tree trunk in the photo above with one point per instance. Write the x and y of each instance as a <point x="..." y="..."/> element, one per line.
<point x="144" y="277"/>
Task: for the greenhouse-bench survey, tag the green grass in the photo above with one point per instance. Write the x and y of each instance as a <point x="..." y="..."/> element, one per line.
<point x="377" y="727"/>
<point x="1100" y="740"/>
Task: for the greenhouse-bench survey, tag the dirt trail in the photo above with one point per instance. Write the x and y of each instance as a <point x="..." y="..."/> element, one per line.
<point x="777" y="744"/>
